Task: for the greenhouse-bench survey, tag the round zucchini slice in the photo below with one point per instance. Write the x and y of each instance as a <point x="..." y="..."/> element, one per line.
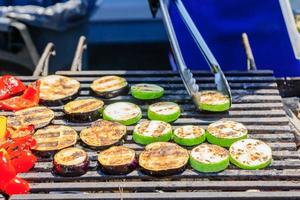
<point x="164" y="111"/>
<point x="147" y="132"/>
<point x="103" y="134"/>
<point x="56" y="90"/>
<point x="250" y="154"/>
<point x="54" y="138"/>
<point x="147" y="91"/>
<point x="110" y="86"/>
<point x="123" y="112"/>
<point x="212" y="101"/>
<point x="39" y="116"/>
<point x="71" y="162"/>
<point x="209" y="158"/>
<point x="189" y="135"/>
<point x="117" y="160"/>
<point x="224" y="133"/>
<point x="84" y="110"/>
<point x="163" y="159"/>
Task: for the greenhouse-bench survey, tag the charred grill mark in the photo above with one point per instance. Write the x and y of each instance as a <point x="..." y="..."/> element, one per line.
<point x="110" y="86"/>
<point x="89" y="104"/>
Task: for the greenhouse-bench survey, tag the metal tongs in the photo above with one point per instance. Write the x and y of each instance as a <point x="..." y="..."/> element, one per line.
<point x="186" y="75"/>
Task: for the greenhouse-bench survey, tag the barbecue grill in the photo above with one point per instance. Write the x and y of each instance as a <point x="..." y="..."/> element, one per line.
<point x="256" y="103"/>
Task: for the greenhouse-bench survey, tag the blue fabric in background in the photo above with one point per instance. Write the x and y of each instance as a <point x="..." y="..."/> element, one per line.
<point x="222" y="23"/>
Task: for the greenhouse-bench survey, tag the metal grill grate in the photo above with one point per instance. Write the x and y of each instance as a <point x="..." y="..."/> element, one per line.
<point x="256" y="103"/>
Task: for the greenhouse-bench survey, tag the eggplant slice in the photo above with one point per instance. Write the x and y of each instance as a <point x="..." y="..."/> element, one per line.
<point x="110" y="86"/>
<point x="147" y="132"/>
<point x="250" y="154"/>
<point x="56" y="90"/>
<point x="209" y="158"/>
<point x="164" y="111"/>
<point x="39" y="116"/>
<point x="163" y="158"/>
<point x="123" y="112"/>
<point x="145" y="91"/>
<point x="189" y="135"/>
<point x="54" y="138"/>
<point x="84" y="110"/>
<point x="71" y="162"/>
<point x="117" y="160"/>
<point x="212" y="101"/>
<point x="103" y="134"/>
<point x="224" y="133"/>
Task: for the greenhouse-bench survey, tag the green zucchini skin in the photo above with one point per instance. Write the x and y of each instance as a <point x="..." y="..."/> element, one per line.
<point x="127" y="122"/>
<point x="208" y="167"/>
<point x="225" y="141"/>
<point x="242" y="165"/>
<point x="212" y="106"/>
<point x="164" y="117"/>
<point x="189" y="141"/>
<point x="138" y="92"/>
<point x="144" y="140"/>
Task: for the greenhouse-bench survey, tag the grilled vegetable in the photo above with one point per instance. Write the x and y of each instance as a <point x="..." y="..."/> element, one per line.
<point x="3" y="122"/>
<point x="124" y="112"/>
<point x="212" y="101"/>
<point x="54" y="138"/>
<point x="56" y="90"/>
<point x="250" y="154"/>
<point x="71" y="162"/>
<point x="147" y="132"/>
<point x="110" y="86"/>
<point x="147" y="91"/>
<point x="10" y="86"/>
<point x="164" y="111"/>
<point x="28" y="99"/>
<point x="38" y="116"/>
<point x="209" y="158"/>
<point x="163" y="158"/>
<point x="117" y="160"/>
<point x="103" y="134"/>
<point x="224" y="133"/>
<point x="189" y="135"/>
<point x="83" y="110"/>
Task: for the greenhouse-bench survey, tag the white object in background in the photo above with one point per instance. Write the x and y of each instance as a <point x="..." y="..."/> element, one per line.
<point x="291" y="26"/>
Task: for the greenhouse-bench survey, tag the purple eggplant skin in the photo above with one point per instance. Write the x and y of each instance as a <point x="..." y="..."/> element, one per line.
<point x="44" y="154"/>
<point x="111" y="94"/>
<point x="120" y="169"/>
<point x="98" y="148"/>
<point x="161" y="173"/>
<point x="71" y="171"/>
<point x="83" y="117"/>
<point x="59" y="102"/>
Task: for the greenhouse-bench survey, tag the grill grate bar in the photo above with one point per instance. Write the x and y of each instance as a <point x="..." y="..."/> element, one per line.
<point x="256" y="103"/>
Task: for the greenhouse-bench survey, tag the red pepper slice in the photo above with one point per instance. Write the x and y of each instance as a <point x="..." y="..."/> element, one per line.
<point x="19" y="151"/>
<point x="20" y="132"/>
<point x="16" y="186"/>
<point x="23" y="161"/>
<point x="10" y="86"/>
<point x="30" y="98"/>
<point x="7" y="170"/>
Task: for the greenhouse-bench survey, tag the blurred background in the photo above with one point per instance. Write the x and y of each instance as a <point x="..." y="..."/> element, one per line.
<point x="122" y="34"/>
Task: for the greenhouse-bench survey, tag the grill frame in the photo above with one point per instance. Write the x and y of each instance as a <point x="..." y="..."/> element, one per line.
<point x="256" y="103"/>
